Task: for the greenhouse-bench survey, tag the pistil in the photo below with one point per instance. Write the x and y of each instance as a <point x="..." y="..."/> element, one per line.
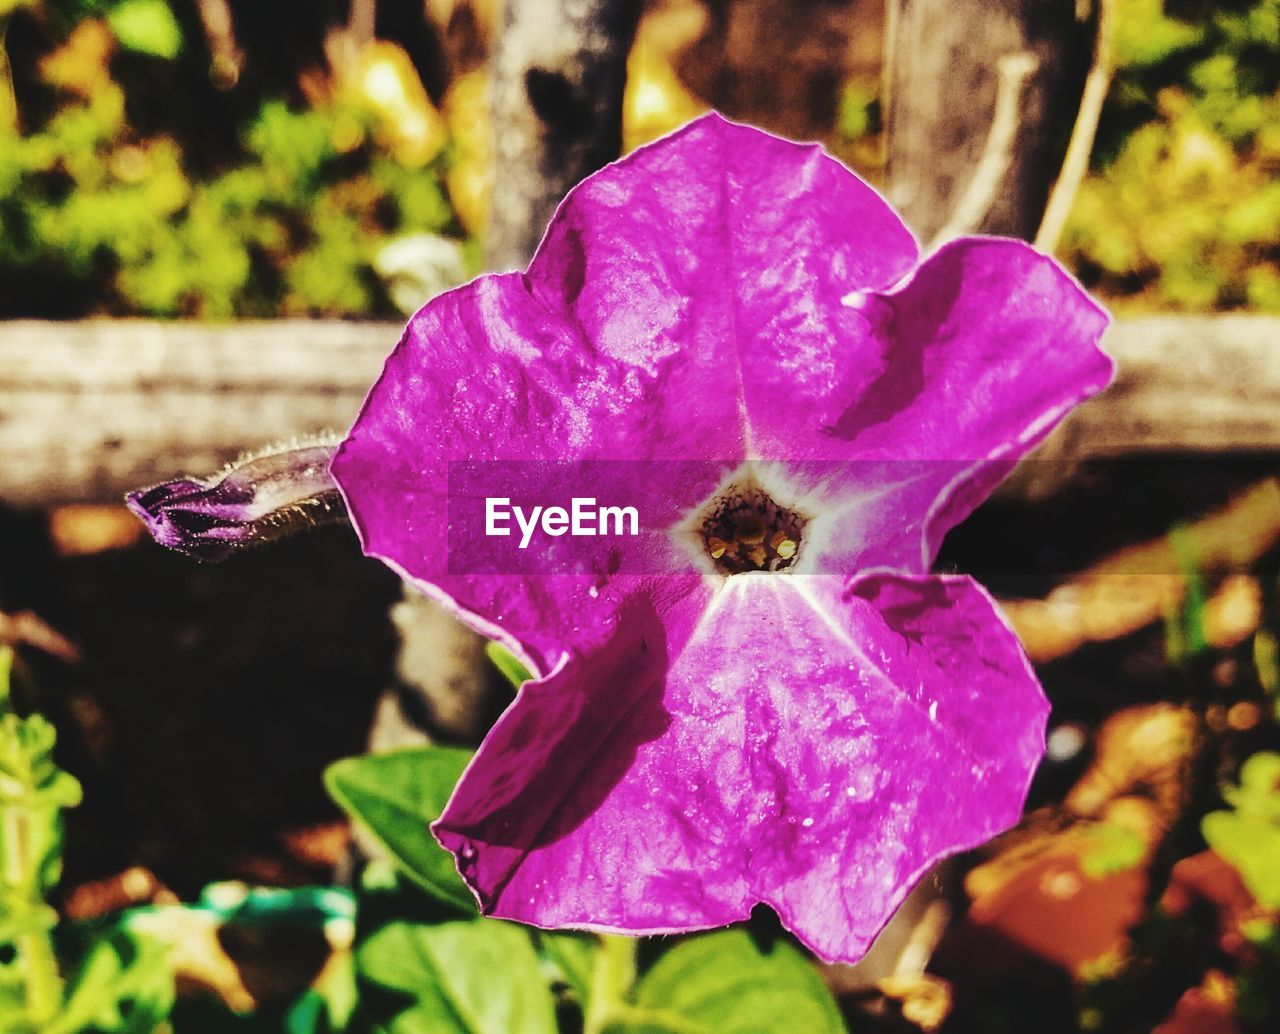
<point x="745" y="529"/>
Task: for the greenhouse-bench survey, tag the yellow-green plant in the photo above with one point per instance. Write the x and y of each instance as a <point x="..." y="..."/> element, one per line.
<point x="1183" y="209"/>
<point x="99" y="216"/>
<point x="122" y="984"/>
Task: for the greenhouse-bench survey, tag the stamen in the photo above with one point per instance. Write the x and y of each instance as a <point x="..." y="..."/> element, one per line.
<point x="744" y="529"/>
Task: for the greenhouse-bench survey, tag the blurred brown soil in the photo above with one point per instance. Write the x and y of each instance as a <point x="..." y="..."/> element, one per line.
<point x="207" y="700"/>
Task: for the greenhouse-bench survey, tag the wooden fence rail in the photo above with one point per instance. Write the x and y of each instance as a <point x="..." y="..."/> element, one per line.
<point x="88" y="410"/>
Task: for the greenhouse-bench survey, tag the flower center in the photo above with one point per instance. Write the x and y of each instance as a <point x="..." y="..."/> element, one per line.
<point x="745" y="530"/>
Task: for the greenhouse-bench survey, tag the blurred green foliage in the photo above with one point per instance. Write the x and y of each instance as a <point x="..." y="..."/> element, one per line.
<point x="104" y="208"/>
<point x="147" y="26"/>
<point x="1248" y="835"/>
<point x="122" y="982"/>
<point x="395" y="797"/>
<point x="1183" y="209"/>
<point x="110" y="203"/>
<point x="431" y="963"/>
<point x="452" y="970"/>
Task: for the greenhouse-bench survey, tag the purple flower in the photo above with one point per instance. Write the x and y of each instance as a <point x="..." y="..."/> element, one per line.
<point x="765" y="697"/>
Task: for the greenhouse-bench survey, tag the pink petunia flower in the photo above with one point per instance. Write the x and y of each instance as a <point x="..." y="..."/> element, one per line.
<point x="764" y="697"/>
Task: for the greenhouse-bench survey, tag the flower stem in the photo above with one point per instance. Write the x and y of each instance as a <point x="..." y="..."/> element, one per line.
<point x="611" y="979"/>
<point x="42" y="980"/>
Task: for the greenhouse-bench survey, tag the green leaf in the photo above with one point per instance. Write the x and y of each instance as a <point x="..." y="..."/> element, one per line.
<point x="147" y="27"/>
<point x="721" y="983"/>
<point x="1248" y="836"/>
<point x="1259" y="790"/>
<point x="1185" y="635"/>
<point x="467" y="977"/>
<point x="396" y="796"/>
<point x="1112" y="848"/>
<point x="6" y="670"/>
<point x="573" y="955"/>
<point x="1252" y="847"/>
<point x="507" y="663"/>
<point x="328" y="1005"/>
<point x="1145" y="36"/>
<point x="13" y="1010"/>
<point x="124" y="986"/>
<point x="20" y="918"/>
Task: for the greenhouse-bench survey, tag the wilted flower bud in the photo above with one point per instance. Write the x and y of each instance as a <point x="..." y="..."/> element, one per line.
<point x="260" y="498"/>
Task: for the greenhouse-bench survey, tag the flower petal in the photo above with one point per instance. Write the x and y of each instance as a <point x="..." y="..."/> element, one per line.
<point x="840" y="754"/>
<point x="992" y="344"/>
<point x="715" y="259"/>
<point x="625" y="341"/>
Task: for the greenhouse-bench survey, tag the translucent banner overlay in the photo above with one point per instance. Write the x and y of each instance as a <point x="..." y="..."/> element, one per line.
<point x="603" y="518"/>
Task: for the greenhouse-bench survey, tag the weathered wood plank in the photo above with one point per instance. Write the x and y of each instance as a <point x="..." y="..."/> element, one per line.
<point x="88" y="410"/>
<point x="143" y="355"/>
<point x="1196" y="383"/>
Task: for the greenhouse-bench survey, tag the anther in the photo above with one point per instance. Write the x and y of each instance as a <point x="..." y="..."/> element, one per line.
<point x="744" y="530"/>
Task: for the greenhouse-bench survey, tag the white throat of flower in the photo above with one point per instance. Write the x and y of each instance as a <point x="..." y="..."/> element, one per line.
<point x="755" y="522"/>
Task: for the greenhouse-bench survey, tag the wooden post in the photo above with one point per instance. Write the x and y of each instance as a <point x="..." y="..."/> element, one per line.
<point x="981" y="99"/>
<point x="558" y="72"/>
<point x="982" y="96"/>
<point x="559" y="69"/>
